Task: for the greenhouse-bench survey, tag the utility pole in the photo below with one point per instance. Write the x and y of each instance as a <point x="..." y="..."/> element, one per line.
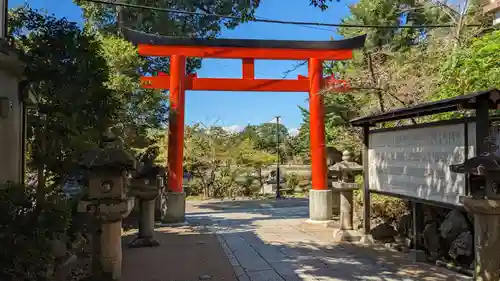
<point x="278" y="194"/>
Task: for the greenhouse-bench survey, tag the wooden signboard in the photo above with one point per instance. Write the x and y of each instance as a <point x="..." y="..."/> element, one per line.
<point x="414" y="162"/>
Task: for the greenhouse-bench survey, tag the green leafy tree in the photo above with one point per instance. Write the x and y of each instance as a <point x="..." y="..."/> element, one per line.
<point x="146" y="110"/>
<point x="250" y="132"/>
<point x="268" y="138"/>
<point x="108" y="18"/>
<point x="256" y="160"/>
<point x="68" y="75"/>
<point x="143" y="113"/>
<point x="474" y="68"/>
<point x="398" y="67"/>
<point x="322" y="4"/>
<point x="401" y="67"/>
<point x="209" y="158"/>
<point x="223" y="164"/>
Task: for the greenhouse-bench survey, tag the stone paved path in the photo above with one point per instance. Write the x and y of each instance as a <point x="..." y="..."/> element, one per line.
<point x="269" y="241"/>
<point x="183" y="255"/>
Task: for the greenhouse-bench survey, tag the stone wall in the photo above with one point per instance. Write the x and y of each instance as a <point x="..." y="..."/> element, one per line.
<point x="300" y="170"/>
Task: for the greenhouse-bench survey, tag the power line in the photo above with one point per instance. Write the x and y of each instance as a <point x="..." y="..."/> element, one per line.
<point x="306" y="26"/>
<point x="303" y="23"/>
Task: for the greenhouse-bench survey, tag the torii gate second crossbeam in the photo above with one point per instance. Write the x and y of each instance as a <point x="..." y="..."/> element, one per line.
<point x="248" y="51"/>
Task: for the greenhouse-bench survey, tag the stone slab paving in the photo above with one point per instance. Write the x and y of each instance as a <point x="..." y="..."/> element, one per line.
<point x="264" y="240"/>
<point x="271" y="242"/>
<point x="184" y="254"/>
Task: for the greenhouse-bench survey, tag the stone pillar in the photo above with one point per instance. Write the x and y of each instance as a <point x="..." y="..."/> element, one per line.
<point x="146" y="225"/>
<point x="486" y="237"/>
<point x="346" y="209"/>
<point x="346" y="185"/>
<point x="146" y="186"/>
<point x="332" y="178"/>
<point x="147" y="222"/>
<point x="176" y="207"/>
<point x="320" y="205"/>
<point x="161" y="206"/>
<point x="161" y="200"/>
<point x="111" y="250"/>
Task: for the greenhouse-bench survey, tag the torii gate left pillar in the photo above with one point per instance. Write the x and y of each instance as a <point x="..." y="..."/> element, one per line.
<point x="320" y="204"/>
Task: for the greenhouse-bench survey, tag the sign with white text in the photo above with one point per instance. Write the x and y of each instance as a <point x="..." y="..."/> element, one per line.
<point x="414" y="162"/>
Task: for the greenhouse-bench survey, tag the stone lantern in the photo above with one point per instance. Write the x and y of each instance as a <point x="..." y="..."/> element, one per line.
<point x="484" y="204"/>
<point x="346" y="170"/>
<point x="146" y="186"/>
<point x="108" y="202"/>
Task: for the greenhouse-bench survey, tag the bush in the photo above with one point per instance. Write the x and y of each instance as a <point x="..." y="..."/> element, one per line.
<point x="383" y="207"/>
<point x="292" y="181"/>
<point x="247" y="186"/>
<point x="26" y="231"/>
<point x="304" y="183"/>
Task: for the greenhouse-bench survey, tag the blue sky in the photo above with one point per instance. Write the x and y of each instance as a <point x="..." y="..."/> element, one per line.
<point x="236" y="109"/>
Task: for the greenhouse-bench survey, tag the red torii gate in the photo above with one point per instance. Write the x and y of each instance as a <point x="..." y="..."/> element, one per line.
<point x="247" y="50"/>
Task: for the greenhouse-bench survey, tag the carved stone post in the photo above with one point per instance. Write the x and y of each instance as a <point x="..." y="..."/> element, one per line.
<point x="346" y="185"/>
<point x="333" y="178"/>
<point x="484" y="203"/>
<point x="161" y="199"/>
<point x="145" y="186"/>
<point x="108" y="201"/>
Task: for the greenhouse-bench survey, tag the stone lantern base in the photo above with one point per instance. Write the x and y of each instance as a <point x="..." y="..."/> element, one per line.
<point x="146" y="226"/>
<point x="367" y="239"/>
<point x="346" y="235"/>
<point x="486" y="237"/>
<point x="142" y="242"/>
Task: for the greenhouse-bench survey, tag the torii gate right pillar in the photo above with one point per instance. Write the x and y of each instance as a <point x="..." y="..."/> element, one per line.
<point x="320" y="196"/>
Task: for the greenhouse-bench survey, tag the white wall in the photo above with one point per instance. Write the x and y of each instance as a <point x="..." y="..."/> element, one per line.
<point x="11" y="139"/>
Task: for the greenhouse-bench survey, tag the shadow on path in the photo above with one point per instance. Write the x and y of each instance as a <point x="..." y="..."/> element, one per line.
<point x="255" y="259"/>
<point x="265" y="244"/>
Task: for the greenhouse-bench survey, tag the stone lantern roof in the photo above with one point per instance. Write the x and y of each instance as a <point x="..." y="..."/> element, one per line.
<point x="108" y="156"/>
<point x="480" y="165"/>
<point x="149" y="172"/>
<point x="147" y="169"/>
<point x="346" y="165"/>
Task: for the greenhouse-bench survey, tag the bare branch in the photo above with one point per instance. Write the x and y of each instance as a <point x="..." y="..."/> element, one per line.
<point x="295" y="67"/>
<point x="374" y="81"/>
<point x="449" y="11"/>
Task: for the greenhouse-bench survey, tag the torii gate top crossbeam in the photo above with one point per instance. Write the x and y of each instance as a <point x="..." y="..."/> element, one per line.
<point x="163" y="46"/>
